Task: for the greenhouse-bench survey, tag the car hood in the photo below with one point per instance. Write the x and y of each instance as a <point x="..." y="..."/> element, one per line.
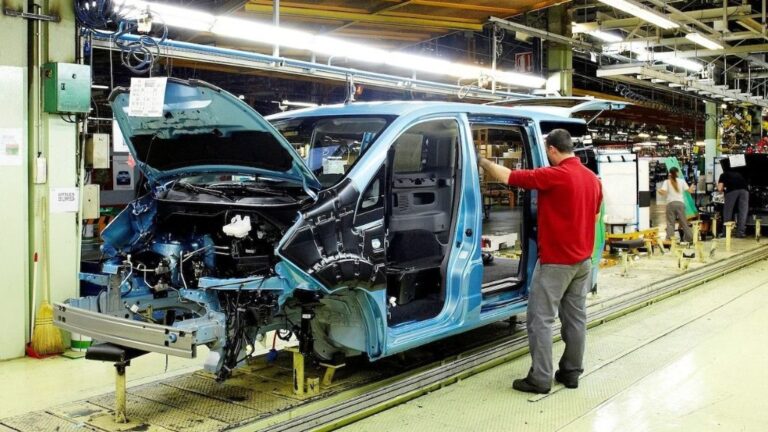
<point x="204" y="129"/>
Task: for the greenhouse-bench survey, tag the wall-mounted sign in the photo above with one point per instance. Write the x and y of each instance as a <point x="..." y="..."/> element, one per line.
<point x="65" y="200"/>
<point x="524" y="62"/>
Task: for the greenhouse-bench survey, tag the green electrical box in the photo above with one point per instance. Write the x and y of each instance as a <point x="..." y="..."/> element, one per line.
<point x="66" y="88"/>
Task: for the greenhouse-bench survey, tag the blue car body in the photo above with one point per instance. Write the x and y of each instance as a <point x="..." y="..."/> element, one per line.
<point x="168" y="287"/>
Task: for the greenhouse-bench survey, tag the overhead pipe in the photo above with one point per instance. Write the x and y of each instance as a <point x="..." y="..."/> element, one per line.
<point x="252" y="60"/>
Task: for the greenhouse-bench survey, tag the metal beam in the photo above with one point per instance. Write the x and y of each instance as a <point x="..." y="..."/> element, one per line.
<point x="735" y="50"/>
<point x="628" y="71"/>
<point x="435" y="22"/>
<point x="543" y="34"/>
<point x="734" y="12"/>
<point x="464" y="6"/>
<point x="230" y="7"/>
<point x="376" y="12"/>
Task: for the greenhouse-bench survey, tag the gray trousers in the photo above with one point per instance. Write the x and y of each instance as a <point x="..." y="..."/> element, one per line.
<point x="740" y="196"/>
<point x="676" y="213"/>
<point x="558" y="290"/>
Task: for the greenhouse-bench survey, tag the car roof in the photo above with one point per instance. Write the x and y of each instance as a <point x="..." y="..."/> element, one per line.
<point x="418" y="108"/>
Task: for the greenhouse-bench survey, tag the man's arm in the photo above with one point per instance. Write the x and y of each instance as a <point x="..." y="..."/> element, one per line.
<point x="498" y="172"/>
<point x="539" y="178"/>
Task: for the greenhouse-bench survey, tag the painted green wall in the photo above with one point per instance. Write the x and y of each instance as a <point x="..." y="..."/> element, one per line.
<point x="25" y="214"/>
<point x="14" y="253"/>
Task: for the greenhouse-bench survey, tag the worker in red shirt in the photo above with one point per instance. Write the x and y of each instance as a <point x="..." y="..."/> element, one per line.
<point x="569" y="197"/>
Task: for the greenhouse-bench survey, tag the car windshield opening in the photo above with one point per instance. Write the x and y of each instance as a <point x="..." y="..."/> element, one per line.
<point x="330" y="145"/>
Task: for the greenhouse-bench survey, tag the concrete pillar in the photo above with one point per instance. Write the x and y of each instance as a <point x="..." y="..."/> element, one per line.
<point x="559" y="57"/>
<point x="711" y="140"/>
<point x="14" y="228"/>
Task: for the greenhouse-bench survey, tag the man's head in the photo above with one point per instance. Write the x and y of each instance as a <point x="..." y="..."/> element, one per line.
<point x="559" y="146"/>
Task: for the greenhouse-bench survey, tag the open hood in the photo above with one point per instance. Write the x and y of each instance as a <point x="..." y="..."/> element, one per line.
<point x="564" y="106"/>
<point x="204" y="129"/>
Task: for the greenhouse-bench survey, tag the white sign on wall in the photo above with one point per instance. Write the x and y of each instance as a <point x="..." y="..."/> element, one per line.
<point x="65" y="200"/>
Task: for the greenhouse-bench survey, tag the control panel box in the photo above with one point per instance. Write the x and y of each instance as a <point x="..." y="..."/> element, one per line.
<point x="97" y="151"/>
<point x="91" y="201"/>
<point x="66" y="88"/>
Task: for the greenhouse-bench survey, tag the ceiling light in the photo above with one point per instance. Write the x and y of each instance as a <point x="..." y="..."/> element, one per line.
<point x="641" y="12"/>
<point x="729" y="99"/>
<point x="698" y="39"/>
<point x="683" y="63"/>
<point x="286" y="102"/>
<point x="605" y="36"/>
<point x="274" y="35"/>
<point x="643" y="135"/>
<point x="675" y="85"/>
<point x="658" y="80"/>
<point x="724" y="106"/>
<point x="661" y="137"/>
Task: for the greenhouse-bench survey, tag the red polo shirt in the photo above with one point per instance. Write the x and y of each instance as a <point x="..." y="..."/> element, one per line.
<point x="568" y="202"/>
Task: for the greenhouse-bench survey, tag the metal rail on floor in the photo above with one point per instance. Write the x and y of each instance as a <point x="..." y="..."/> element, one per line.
<point x="463" y="366"/>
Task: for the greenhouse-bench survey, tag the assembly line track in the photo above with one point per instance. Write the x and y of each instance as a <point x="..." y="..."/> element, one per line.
<point x="465" y="365"/>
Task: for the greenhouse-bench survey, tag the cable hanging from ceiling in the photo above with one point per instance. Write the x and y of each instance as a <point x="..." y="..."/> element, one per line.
<point x="116" y="19"/>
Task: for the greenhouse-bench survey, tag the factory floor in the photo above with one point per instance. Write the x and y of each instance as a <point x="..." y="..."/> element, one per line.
<point x="694" y="362"/>
<point x="705" y="348"/>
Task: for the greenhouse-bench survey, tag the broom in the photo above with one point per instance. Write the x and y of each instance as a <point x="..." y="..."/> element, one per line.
<point x="46" y="338"/>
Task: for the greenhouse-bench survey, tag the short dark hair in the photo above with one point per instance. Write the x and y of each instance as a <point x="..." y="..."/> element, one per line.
<point x="561" y="140"/>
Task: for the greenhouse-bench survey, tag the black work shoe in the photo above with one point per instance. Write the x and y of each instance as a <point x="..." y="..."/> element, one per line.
<point x="524" y="386"/>
<point x="568" y="383"/>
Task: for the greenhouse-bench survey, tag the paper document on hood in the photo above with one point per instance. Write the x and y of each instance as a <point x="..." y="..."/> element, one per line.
<point x="147" y="97"/>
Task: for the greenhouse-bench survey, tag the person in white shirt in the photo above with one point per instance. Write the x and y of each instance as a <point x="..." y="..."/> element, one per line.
<point x="673" y="188"/>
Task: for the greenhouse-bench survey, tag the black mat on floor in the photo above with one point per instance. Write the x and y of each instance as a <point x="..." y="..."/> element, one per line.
<point x="500" y="268"/>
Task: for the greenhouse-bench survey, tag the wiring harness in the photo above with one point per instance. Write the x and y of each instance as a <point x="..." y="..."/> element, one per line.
<point x="113" y="20"/>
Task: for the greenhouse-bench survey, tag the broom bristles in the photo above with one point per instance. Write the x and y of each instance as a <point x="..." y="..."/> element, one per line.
<point x="46" y="338"/>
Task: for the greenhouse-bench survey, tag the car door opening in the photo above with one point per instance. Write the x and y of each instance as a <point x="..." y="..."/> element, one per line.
<point x="422" y="200"/>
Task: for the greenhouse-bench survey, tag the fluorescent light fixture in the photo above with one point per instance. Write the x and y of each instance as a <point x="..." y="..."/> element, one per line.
<point x="729" y="99"/>
<point x="643" y="135"/>
<point x="274" y="35"/>
<point x="683" y="63"/>
<point x="673" y="85"/>
<point x="724" y="106"/>
<point x="698" y="39"/>
<point x="642" y="12"/>
<point x="605" y="36"/>
<point x="661" y="137"/>
<point x="286" y="102"/>
<point x="658" y="80"/>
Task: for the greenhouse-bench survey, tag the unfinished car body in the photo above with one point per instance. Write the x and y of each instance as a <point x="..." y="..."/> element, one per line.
<point x="369" y="245"/>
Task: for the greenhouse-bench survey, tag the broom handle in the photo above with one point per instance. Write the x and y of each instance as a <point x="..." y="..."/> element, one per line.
<point x="44" y="251"/>
<point x="34" y="297"/>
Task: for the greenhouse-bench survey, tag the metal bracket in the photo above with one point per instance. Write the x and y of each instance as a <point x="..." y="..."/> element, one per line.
<point x="31" y="16"/>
